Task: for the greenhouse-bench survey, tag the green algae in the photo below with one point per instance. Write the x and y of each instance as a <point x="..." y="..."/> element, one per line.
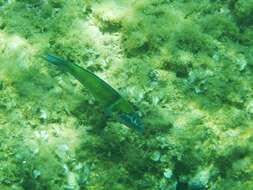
<point x="187" y="65"/>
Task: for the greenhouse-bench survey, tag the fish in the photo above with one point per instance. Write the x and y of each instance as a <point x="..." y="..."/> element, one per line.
<point x="113" y="103"/>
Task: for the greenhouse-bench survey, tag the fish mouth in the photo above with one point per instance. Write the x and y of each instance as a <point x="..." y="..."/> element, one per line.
<point x="54" y="59"/>
<point x="132" y="120"/>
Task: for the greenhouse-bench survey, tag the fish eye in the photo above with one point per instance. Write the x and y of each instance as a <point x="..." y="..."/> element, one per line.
<point x="133" y="120"/>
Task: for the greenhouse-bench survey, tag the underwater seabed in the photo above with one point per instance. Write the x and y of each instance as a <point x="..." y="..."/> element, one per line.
<point x="185" y="67"/>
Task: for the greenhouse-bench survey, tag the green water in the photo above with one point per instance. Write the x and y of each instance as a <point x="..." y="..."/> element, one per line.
<point x="186" y="65"/>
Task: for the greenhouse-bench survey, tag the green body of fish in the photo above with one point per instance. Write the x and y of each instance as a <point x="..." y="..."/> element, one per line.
<point x="115" y="105"/>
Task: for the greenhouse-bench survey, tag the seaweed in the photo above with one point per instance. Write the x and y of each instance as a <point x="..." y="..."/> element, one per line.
<point x="186" y="64"/>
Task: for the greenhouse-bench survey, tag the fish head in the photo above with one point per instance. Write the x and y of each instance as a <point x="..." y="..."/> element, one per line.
<point x="132" y="120"/>
<point x="55" y="60"/>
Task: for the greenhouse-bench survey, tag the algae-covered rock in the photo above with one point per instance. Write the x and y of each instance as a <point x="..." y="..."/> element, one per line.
<point x="186" y="66"/>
